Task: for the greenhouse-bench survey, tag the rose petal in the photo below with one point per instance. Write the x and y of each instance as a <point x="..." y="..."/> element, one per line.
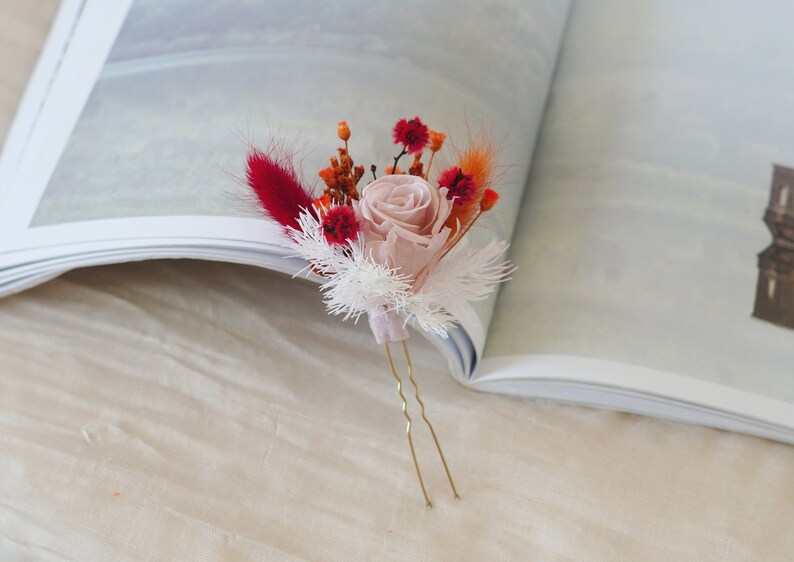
<point x="402" y="221"/>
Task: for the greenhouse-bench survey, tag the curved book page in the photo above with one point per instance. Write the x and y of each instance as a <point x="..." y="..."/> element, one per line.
<point x="637" y="390"/>
<point x="642" y="225"/>
<point x="140" y="114"/>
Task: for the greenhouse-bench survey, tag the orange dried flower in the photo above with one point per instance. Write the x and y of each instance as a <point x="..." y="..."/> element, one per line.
<point x="322" y="203"/>
<point x="328" y="176"/>
<point x="436" y="140"/>
<point x="479" y="161"/>
<point x="341" y="178"/>
<point x="417" y="167"/>
<point x="391" y="170"/>
<point x="489" y="199"/>
<point x="343" y="131"/>
<point x="358" y="173"/>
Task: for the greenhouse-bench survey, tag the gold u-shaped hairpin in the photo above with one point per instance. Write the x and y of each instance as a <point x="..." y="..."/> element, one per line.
<point x="409" y="422"/>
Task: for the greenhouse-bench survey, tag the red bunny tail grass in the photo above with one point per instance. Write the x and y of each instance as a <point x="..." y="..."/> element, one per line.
<point x="273" y="179"/>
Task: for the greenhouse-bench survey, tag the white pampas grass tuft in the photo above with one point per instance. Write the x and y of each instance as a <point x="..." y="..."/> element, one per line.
<point x="468" y="272"/>
<point x="465" y="274"/>
<point x="365" y="286"/>
<point x="356" y="285"/>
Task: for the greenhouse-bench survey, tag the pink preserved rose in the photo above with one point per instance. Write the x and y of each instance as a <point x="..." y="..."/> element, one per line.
<point x="402" y="223"/>
<point x="402" y="226"/>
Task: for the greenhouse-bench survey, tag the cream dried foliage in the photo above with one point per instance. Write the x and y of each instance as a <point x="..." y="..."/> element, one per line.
<point x="355" y="285"/>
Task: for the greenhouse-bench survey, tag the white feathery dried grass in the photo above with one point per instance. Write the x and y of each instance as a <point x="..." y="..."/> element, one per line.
<point x="356" y="285"/>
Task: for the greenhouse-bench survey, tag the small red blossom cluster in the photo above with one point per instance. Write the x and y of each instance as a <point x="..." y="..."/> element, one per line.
<point x="283" y="197"/>
<point x="468" y="182"/>
<point x="412" y="134"/>
<point x="461" y="186"/>
<point x="340" y="224"/>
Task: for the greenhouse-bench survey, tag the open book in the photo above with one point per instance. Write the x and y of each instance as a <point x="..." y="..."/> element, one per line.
<point x="651" y="127"/>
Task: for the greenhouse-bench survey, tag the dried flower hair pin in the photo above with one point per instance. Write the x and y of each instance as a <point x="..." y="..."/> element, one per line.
<point x="397" y="251"/>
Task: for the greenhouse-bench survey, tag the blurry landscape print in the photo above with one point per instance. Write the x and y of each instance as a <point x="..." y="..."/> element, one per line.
<point x="188" y="84"/>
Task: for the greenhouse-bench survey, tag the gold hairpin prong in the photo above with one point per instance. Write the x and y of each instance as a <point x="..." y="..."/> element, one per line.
<point x="428" y="504"/>
<point x="427" y="421"/>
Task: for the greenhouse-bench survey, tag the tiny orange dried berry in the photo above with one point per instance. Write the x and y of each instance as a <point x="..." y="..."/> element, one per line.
<point x="489" y="199"/>
<point x="343" y="131"/>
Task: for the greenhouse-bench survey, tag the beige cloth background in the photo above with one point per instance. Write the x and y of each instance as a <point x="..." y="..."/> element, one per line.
<point x="181" y="411"/>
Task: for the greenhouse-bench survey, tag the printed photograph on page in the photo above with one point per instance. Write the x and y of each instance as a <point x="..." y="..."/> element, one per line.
<point x="659" y="216"/>
<point x="185" y="89"/>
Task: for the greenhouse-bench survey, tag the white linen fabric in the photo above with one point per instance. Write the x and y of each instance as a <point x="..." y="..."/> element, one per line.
<point x="198" y="411"/>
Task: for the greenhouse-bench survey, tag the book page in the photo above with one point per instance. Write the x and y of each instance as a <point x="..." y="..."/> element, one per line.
<point x="155" y="144"/>
<point x="639" y="237"/>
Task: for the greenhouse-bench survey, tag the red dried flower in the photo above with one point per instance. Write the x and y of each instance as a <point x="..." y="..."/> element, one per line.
<point x="461" y="186"/>
<point x="340" y="224"/>
<point x="412" y="134"/>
